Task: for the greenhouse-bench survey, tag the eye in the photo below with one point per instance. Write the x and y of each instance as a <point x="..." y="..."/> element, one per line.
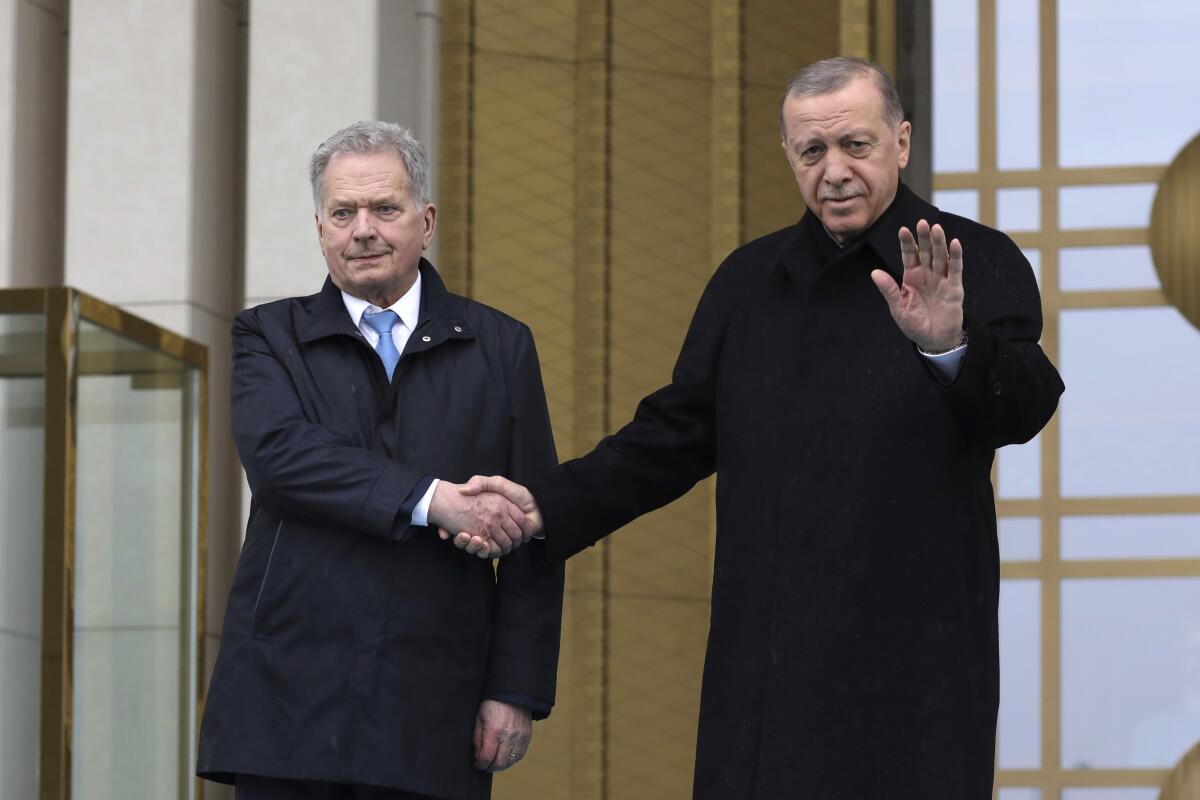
<point x="386" y="209"/>
<point x="857" y="147"/>
<point x="812" y="152"/>
<point x="340" y="213"/>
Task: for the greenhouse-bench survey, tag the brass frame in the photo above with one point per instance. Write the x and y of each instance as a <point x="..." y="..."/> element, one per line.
<point x="1050" y="570"/>
<point x="63" y="309"/>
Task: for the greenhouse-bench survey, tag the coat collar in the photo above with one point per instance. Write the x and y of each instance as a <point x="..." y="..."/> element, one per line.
<point x="795" y="252"/>
<point x="441" y="317"/>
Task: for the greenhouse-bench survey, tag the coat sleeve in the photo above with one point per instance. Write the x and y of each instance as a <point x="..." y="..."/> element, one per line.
<point x="294" y="465"/>
<point x="527" y="617"/>
<point x="1006" y="389"/>
<point x="658" y="456"/>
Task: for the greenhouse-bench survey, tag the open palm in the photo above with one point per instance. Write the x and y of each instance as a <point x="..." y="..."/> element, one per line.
<point x="928" y="305"/>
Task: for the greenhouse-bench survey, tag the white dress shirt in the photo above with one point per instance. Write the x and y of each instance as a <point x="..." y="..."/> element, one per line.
<point x="408" y="309"/>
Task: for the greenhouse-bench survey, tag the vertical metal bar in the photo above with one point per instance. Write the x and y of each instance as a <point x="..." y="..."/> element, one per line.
<point x="58" y="545"/>
<point x="987" y="112"/>
<point x="1051" y="505"/>
<point x="201" y="573"/>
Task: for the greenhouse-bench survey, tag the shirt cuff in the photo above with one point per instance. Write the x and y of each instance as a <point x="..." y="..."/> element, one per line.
<point x="945" y="365"/>
<point x="539" y="707"/>
<point x="420" y="513"/>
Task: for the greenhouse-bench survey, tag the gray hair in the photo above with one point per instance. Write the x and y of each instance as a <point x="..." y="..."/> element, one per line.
<point x="832" y="74"/>
<point x="368" y="138"/>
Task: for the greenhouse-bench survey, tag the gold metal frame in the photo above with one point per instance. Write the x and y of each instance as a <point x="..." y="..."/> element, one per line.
<point x="63" y="309"/>
<point x="1050" y="570"/>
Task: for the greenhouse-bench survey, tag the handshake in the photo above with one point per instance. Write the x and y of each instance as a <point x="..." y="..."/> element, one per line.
<point x="486" y="516"/>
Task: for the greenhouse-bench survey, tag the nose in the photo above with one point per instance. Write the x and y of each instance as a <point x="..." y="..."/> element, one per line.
<point x="364" y="228"/>
<point x="837" y="170"/>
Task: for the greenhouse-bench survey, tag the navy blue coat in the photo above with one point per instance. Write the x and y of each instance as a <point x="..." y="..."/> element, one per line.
<point x="852" y="647"/>
<point x="356" y="648"/>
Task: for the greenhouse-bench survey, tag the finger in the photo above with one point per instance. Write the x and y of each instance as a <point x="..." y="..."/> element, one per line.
<point x="477" y="738"/>
<point x="940" y="257"/>
<point x="887" y="287"/>
<point x="504" y="749"/>
<point x="507" y="535"/>
<point x="443" y="534"/>
<point x="956" y="260"/>
<point x="462" y="539"/>
<point x="923" y="243"/>
<point x="488" y="744"/>
<point x="909" y="256"/>
<point x="475" y="544"/>
<point x="516" y="537"/>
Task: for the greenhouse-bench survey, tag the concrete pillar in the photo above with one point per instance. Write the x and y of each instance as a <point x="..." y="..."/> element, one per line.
<point x="32" y="125"/>
<point x="153" y="202"/>
<point x="312" y="71"/>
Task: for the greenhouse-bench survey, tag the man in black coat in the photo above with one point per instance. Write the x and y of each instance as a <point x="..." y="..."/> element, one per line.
<point x="361" y="656"/>
<point x="849" y="382"/>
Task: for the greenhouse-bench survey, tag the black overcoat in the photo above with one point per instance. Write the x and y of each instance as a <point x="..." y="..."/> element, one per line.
<point x="356" y="649"/>
<point x="852" y="647"/>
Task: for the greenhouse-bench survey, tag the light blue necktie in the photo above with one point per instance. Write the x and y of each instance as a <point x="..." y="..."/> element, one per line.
<point x="381" y="322"/>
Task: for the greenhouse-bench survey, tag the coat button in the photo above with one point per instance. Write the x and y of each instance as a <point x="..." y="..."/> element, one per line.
<point x="457" y="329"/>
<point x="428" y="339"/>
<point x="997" y="388"/>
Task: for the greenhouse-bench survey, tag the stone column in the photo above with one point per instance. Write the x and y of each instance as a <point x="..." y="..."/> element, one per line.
<point x="312" y="72"/>
<point x="32" y="124"/>
<point x="153" y="205"/>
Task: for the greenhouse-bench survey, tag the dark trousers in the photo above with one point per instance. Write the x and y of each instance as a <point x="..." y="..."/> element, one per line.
<point x="252" y="787"/>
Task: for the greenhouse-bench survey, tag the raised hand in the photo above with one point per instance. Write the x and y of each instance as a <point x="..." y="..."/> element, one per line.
<point x="514" y="493"/>
<point x="928" y="305"/>
<point x="496" y="523"/>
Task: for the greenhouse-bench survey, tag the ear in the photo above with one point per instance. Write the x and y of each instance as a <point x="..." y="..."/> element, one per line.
<point x="429" y="217"/>
<point x="903" y="142"/>
<point x="320" y="232"/>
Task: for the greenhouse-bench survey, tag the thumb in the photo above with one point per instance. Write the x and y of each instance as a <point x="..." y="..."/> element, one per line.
<point x="887" y="287"/>
<point x="476" y="485"/>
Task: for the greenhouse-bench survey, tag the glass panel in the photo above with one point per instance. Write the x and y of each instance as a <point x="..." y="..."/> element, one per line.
<point x="1020" y="538"/>
<point x="1130" y="671"/>
<point x="1019" y="470"/>
<point x="1117" y="441"/>
<point x="22" y="446"/>
<point x="1019" y="731"/>
<point x="1122" y="793"/>
<point x="1083" y="268"/>
<point x="1019" y="209"/>
<point x="955" y="87"/>
<point x="1020" y="794"/>
<point x="1158" y="44"/>
<point x="133" y="458"/>
<point x="1125" y="205"/>
<point x="1017" y="83"/>
<point x="964" y="202"/>
<point x="1142" y="536"/>
<point x="1035" y="262"/>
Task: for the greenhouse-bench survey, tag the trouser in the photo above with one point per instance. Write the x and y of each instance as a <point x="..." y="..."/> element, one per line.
<point x="252" y="787"/>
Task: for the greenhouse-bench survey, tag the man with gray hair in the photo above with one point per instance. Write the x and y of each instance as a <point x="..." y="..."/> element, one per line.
<point x="848" y="378"/>
<point x="361" y="656"/>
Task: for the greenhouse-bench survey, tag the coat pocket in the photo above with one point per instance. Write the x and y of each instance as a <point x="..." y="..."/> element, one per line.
<point x="257" y="614"/>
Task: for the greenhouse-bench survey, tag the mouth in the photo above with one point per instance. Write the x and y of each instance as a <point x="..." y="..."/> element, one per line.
<point x="369" y="258"/>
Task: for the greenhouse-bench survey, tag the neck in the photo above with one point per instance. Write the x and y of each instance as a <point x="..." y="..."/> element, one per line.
<point x="384" y="298"/>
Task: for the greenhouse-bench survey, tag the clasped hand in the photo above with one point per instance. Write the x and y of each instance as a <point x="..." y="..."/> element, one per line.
<point x="491" y="515"/>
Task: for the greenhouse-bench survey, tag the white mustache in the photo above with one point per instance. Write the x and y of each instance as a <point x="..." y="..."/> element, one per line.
<point x="838" y="195"/>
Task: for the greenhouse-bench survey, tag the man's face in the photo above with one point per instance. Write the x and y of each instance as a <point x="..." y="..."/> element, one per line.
<point x="846" y="155"/>
<point x="371" y="233"/>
